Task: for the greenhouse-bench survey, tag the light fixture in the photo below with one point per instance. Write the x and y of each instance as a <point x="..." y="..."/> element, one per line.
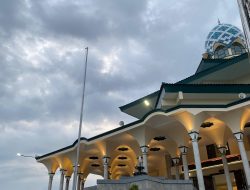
<point x="106" y="159"/>
<point x="222" y="149"/>
<point x="95" y="165"/>
<point x="183" y="149"/>
<point x="155" y="149"/>
<point x="146" y="102"/>
<point x="122" y="158"/>
<point x="176" y="160"/>
<point x="27" y="156"/>
<point x="93" y="158"/>
<point x="206" y="125"/>
<point x="121" y="165"/>
<point x="159" y="138"/>
<point x="123" y="149"/>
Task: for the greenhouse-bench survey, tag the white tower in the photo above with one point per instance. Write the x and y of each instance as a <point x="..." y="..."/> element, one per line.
<point x="244" y="7"/>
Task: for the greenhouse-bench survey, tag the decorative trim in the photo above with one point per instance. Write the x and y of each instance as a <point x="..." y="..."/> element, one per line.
<point x="239" y="136"/>
<point x="194" y="136"/>
<point x="183" y="149"/>
<point x="224" y="64"/>
<point x="141" y="120"/>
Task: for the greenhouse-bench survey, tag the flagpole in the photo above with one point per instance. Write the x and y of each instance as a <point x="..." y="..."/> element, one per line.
<point x="80" y="123"/>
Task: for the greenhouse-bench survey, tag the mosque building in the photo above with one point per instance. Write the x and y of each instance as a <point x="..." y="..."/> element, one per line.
<point x="197" y="128"/>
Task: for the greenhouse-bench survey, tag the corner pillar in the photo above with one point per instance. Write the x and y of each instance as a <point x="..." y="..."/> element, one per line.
<point x="184" y="151"/>
<point x="144" y="150"/>
<point x="62" y="178"/>
<point x="223" y="151"/>
<point x="82" y="184"/>
<point x="239" y="138"/>
<point x="67" y="178"/>
<point x="176" y="161"/>
<point x="51" y="175"/>
<point x="79" y="181"/>
<point x="194" y="136"/>
<point x="106" y="160"/>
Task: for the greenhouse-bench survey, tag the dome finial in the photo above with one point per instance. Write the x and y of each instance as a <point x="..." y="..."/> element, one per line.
<point x="219" y="21"/>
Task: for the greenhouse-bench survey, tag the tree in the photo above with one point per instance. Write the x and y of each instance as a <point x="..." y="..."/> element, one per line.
<point x="134" y="187"/>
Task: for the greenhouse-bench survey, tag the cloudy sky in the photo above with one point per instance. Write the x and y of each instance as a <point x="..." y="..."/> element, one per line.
<point x="133" y="47"/>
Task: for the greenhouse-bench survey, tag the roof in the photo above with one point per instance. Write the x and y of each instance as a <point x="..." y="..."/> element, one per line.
<point x="207" y="88"/>
<point x="208" y="63"/>
<point x="137" y="108"/>
<point x="142" y="119"/>
<point x="224" y="63"/>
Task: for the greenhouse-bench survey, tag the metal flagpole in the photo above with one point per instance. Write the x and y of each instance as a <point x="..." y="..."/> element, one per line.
<point x="80" y="124"/>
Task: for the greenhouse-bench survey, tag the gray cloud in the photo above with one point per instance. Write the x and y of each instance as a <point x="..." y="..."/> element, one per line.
<point x="134" y="46"/>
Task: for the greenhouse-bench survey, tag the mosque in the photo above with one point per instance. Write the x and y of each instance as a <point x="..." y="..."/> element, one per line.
<point x="197" y="128"/>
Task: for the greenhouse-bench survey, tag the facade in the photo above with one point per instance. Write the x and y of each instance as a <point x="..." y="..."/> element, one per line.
<point x="197" y="128"/>
<point x="244" y="6"/>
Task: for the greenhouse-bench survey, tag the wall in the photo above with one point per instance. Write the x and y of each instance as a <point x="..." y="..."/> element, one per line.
<point x="144" y="183"/>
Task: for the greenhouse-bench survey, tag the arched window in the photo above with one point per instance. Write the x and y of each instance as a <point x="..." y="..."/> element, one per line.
<point x="221" y="52"/>
<point x="237" y="49"/>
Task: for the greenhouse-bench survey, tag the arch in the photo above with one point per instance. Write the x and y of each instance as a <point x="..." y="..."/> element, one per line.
<point x="66" y="164"/>
<point x="218" y="132"/>
<point x="221" y="52"/>
<point x="237" y="48"/>
<point x="51" y="164"/>
<point x="123" y="161"/>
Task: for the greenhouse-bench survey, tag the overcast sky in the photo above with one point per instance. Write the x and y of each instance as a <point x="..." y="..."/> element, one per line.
<point x="134" y="45"/>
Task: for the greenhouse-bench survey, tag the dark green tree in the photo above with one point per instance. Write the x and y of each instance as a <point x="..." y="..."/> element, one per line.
<point x="134" y="187"/>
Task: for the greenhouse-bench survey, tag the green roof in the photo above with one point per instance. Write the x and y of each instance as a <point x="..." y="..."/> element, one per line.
<point x="142" y="119"/>
<point x="208" y="63"/>
<point x="207" y="88"/>
<point x="137" y="108"/>
<point x="206" y="70"/>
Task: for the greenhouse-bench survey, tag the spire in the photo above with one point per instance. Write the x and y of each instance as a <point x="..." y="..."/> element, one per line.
<point x="219" y="21"/>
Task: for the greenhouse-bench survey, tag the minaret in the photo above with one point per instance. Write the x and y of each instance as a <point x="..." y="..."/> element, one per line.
<point x="244" y="9"/>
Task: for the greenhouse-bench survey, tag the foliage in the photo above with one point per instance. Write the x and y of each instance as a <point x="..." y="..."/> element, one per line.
<point x="134" y="187"/>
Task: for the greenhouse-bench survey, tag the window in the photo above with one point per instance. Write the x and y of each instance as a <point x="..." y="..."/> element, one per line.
<point x="237" y="49"/>
<point x="211" y="151"/>
<point x="221" y="52"/>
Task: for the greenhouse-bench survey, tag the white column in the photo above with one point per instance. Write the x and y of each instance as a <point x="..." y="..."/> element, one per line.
<point x="223" y="151"/>
<point x="83" y="182"/>
<point x="76" y="177"/>
<point x="79" y="181"/>
<point x="106" y="167"/>
<point x="176" y="165"/>
<point x="51" y="175"/>
<point x="67" y="182"/>
<point x="144" y="150"/>
<point x="239" y="137"/>
<point x="194" y="136"/>
<point x="184" y="150"/>
<point x="61" y="179"/>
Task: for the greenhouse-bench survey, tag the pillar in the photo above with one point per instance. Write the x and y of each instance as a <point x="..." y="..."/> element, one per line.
<point x="83" y="182"/>
<point x="184" y="150"/>
<point x="67" y="182"/>
<point x="62" y="179"/>
<point x="51" y="175"/>
<point x="194" y="136"/>
<point x="79" y="181"/>
<point x="144" y="150"/>
<point x="239" y="138"/>
<point x="176" y="161"/>
<point x="74" y="182"/>
<point x="106" y="160"/>
<point x="223" y="151"/>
